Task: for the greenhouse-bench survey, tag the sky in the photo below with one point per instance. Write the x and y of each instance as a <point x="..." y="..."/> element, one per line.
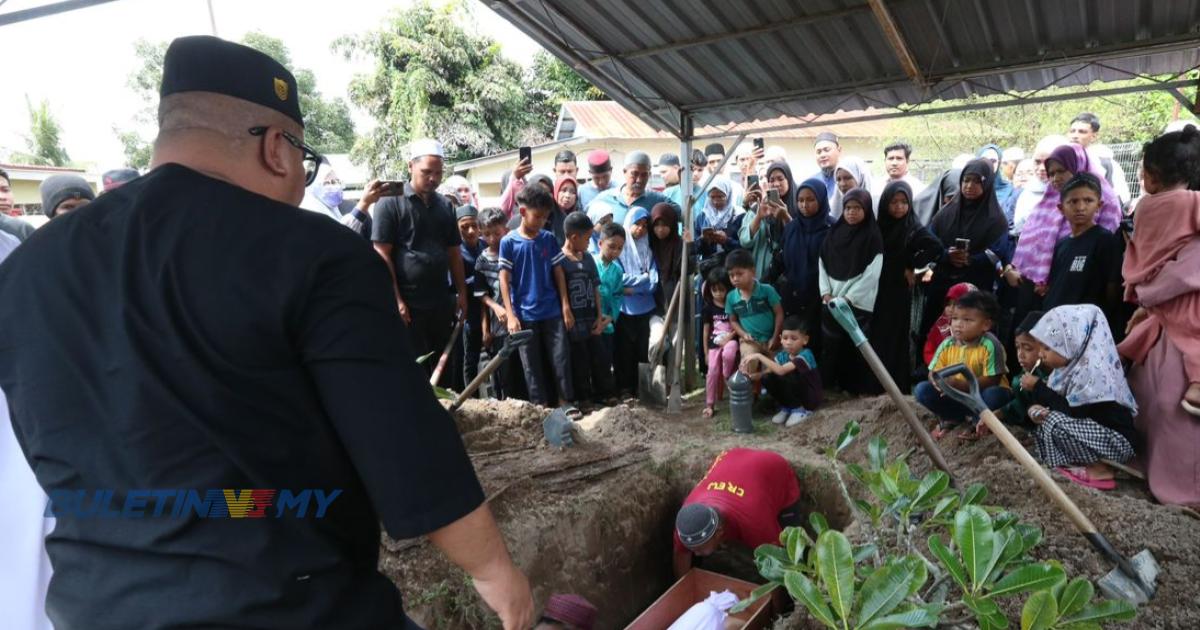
<point x="80" y="61"/>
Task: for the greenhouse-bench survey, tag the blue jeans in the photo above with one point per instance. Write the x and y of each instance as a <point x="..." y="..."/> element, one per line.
<point x="950" y="411"/>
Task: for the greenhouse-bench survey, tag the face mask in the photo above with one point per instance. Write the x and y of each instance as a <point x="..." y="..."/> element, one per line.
<point x="331" y="194"/>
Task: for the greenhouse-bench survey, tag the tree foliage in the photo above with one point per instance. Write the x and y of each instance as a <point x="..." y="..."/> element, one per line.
<point x="434" y="78"/>
<point x="44" y="141"/>
<point x="328" y="127"/>
<point x="1135" y="117"/>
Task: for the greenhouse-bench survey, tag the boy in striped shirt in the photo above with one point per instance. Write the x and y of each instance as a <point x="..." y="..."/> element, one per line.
<point x="970" y="343"/>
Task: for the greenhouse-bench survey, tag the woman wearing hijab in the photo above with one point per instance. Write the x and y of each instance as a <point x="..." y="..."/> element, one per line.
<point x="849" y="266"/>
<point x="937" y="196"/>
<point x="667" y="245"/>
<point x="325" y="194"/>
<point x="995" y="157"/>
<point x="763" y="225"/>
<point x="632" y="342"/>
<point x="717" y="224"/>
<point x="1084" y="410"/>
<point x="1046" y="226"/>
<point x="566" y="201"/>
<point x="539" y="179"/>
<point x="906" y="246"/>
<point x="969" y="227"/>
<point x="851" y="173"/>
<point x="801" y="253"/>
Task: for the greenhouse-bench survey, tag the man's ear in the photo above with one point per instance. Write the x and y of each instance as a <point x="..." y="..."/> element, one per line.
<point x="275" y="153"/>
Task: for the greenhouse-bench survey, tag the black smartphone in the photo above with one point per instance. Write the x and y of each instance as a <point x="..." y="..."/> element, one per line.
<point x="758" y="144"/>
<point x="963" y="244"/>
<point x="525" y="154"/>
<point x="751" y="181"/>
<point x="772" y="195"/>
<point x="392" y="188"/>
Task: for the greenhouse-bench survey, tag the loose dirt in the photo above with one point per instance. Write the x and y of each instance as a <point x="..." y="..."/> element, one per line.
<point x="596" y="518"/>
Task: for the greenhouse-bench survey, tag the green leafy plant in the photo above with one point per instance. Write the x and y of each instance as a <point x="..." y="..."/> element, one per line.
<point x="932" y="556"/>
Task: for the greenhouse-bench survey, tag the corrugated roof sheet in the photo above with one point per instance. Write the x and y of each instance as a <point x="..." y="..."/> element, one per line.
<point x="725" y="62"/>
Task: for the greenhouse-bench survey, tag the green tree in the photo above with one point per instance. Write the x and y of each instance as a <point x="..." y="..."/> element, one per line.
<point x="328" y="127"/>
<point x="551" y="83"/>
<point x="435" y="78"/>
<point x="44" y="140"/>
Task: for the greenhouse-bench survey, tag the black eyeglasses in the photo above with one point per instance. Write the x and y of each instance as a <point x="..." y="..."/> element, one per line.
<point x="312" y="159"/>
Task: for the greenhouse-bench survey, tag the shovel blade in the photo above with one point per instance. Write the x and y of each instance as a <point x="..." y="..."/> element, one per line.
<point x="1117" y="585"/>
<point x="652" y="388"/>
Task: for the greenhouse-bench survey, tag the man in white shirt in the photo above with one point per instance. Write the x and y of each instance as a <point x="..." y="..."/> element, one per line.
<point x="1084" y="131"/>
<point x="895" y="163"/>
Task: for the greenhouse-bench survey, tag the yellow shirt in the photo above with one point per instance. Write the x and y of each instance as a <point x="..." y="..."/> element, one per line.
<point x="984" y="357"/>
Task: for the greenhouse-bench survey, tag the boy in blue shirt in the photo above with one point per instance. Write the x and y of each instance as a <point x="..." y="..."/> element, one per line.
<point x="534" y="289"/>
<point x="792" y="378"/>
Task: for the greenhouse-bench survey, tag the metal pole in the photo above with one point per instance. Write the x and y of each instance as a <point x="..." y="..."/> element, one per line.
<point x="13" y="17"/>
<point x="212" y="19"/>
<point x="683" y="332"/>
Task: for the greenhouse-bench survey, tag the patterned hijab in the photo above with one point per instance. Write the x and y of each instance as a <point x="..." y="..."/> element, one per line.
<point x="862" y="177"/>
<point x="1046" y="226"/>
<point x="1093" y="372"/>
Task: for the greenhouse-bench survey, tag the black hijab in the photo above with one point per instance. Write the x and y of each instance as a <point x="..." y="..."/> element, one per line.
<point x="802" y="239"/>
<point x="849" y="249"/>
<point x="896" y="231"/>
<point x="789" y="199"/>
<point x="929" y="202"/>
<point x="980" y="220"/>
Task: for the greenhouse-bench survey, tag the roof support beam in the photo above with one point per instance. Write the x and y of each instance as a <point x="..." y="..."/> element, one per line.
<point x="1055" y="59"/>
<point x="46" y="10"/>
<point x="749" y="32"/>
<point x="819" y="122"/>
<point x="895" y="39"/>
<point x="553" y="42"/>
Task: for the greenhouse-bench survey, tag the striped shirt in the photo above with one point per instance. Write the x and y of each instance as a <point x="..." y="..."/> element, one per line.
<point x="487" y="282"/>
<point x="984" y="357"/>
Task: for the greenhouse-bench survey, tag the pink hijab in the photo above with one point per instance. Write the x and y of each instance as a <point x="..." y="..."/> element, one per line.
<point x="1046" y="225"/>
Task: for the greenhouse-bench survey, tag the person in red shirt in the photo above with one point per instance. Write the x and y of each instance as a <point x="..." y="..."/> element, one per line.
<point x="744" y="498"/>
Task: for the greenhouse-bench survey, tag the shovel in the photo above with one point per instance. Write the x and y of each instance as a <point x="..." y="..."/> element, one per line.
<point x="445" y="358"/>
<point x="840" y="309"/>
<point x="511" y="343"/>
<point x="652" y="376"/>
<point x="1130" y="581"/>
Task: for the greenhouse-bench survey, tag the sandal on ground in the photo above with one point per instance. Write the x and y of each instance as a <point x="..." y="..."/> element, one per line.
<point x="1189" y="407"/>
<point x="1080" y="475"/>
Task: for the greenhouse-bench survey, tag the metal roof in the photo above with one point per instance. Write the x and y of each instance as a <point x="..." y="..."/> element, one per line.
<point x="725" y="62"/>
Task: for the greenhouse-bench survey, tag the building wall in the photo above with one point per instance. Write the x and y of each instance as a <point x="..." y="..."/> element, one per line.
<point x="485" y="178"/>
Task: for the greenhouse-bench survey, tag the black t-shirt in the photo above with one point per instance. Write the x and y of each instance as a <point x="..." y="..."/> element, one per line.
<point x="419" y="235"/>
<point x="582" y="280"/>
<point x="183" y="333"/>
<point x="1084" y="266"/>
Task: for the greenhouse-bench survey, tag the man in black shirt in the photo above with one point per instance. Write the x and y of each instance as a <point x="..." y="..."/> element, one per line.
<point x="192" y="351"/>
<point x="415" y="231"/>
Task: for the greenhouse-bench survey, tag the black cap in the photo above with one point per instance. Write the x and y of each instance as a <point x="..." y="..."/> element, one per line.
<point x="564" y="156"/>
<point x="202" y="63"/>
<point x="826" y="136"/>
<point x="696" y="524"/>
<point x="577" y="222"/>
<point x="466" y="211"/>
<point x="668" y="159"/>
<point x="698" y="158"/>
<point x="715" y="148"/>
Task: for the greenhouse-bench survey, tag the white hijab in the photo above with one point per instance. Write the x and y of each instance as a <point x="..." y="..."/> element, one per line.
<point x="862" y="175"/>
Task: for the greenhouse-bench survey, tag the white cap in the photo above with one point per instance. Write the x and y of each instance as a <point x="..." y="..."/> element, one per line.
<point x="423" y="147"/>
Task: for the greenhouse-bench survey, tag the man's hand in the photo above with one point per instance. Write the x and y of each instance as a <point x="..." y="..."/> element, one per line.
<point x="371" y="194"/>
<point x="568" y="318"/>
<point x="1028" y="382"/>
<point x="404" y="313"/>
<point x="514" y="324"/>
<point x="523" y="168"/>
<point x="1138" y="316"/>
<point x="508" y="594"/>
<point x="598" y="329"/>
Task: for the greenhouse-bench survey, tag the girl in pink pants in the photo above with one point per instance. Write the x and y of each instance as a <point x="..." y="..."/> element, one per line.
<point x="719" y="338"/>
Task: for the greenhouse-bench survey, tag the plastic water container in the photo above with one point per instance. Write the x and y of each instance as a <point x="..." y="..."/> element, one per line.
<point x="741" y="402"/>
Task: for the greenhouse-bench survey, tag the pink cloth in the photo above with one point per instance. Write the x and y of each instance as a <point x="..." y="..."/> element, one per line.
<point x="1046" y="226"/>
<point x="1171" y="455"/>
<point x="722" y="363"/>
<point x="1161" y="270"/>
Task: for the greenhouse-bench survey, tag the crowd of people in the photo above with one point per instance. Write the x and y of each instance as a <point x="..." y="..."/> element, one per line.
<point x="1076" y="307"/>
